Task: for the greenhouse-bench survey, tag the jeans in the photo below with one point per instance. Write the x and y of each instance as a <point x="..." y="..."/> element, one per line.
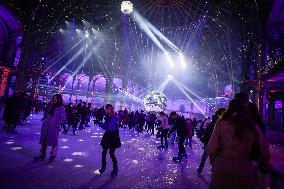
<point x="164" y="136"/>
<point x="181" y="149"/>
<point x="112" y="156"/>
<point x="44" y="148"/>
<point x="203" y="160"/>
<point x="151" y="127"/>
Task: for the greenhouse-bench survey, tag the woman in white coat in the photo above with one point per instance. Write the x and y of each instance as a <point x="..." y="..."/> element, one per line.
<point x="53" y="118"/>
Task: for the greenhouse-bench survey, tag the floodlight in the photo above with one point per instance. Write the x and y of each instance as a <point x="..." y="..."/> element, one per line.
<point x="126" y="7"/>
<point x="170" y="77"/>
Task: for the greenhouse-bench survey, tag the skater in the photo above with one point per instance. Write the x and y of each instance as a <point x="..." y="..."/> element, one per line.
<point x="71" y="118"/>
<point x="189" y="133"/>
<point x="52" y="121"/>
<point x="110" y="140"/>
<point x="164" y="130"/>
<point x="206" y="136"/>
<point x="180" y="126"/>
<point x="13" y="111"/>
<point x="151" y="123"/>
<point x="141" y="121"/>
<point x="236" y="142"/>
<point x="173" y="135"/>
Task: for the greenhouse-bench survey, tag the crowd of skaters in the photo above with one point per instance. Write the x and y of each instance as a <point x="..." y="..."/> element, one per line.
<point x="233" y="139"/>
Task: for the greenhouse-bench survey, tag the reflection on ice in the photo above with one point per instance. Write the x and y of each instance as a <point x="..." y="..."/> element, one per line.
<point x="79" y="154"/>
<point x="17" y="148"/>
<point x="135" y="161"/>
<point x="9" y="142"/>
<point x="68" y="160"/>
<point x="97" y="172"/>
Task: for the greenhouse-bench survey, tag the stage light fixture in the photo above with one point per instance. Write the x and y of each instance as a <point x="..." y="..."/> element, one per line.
<point x="170" y="77"/>
<point x="126" y="7"/>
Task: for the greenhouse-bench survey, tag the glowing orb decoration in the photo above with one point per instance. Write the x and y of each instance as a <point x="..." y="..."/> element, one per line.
<point x="126" y="7"/>
<point x="155" y="101"/>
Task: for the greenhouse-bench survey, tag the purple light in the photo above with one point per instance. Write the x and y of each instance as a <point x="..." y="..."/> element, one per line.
<point x="278" y="104"/>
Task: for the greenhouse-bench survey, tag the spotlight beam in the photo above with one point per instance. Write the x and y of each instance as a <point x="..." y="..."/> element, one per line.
<point x="79" y="67"/>
<point x="144" y="26"/>
<point x="183" y="62"/>
<point x="190" y="91"/>
<point x="87" y="24"/>
<point x="183" y="91"/>
<point x="163" y="37"/>
<point x="68" y="63"/>
<point x="163" y="85"/>
<point x="170" y="60"/>
<point x="63" y="55"/>
<point x="83" y="63"/>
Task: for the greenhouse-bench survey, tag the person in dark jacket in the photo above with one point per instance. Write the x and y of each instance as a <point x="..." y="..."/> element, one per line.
<point x="206" y="137"/>
<point x="131" y="120"/>
<point x="180" y="127"/>
<point x="13" y="111"/>
<point x="110" y="140"/>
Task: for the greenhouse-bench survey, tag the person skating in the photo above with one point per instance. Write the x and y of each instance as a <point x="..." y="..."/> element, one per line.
<point x="205" y="137"/>
<point x="110" y="140"/>
<point x="52" y="120"/>
<point x="232" y="151"/>
<point x="164" y="130"/>
<point x="180" y="127"/>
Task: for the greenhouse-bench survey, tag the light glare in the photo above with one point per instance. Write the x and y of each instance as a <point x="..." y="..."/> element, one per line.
<point x="126" y="7"/>
<point x="170" y="77"/>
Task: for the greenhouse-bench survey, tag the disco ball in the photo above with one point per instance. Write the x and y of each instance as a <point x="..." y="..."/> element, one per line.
<point x="155" y="101"/>
<point x="126" y="7"/>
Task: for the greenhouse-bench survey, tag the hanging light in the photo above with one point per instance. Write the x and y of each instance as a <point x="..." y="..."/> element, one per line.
<point x="126" y="7"/>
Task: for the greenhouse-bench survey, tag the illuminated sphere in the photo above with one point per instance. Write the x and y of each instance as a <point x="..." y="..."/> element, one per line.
<point x="126" y="7"/>
<point x="155" y="101"/>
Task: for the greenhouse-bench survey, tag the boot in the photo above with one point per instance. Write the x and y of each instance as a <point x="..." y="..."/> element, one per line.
<point x="177" y="159"/>
<point x="51" y="158"/>
<point x="199" y="171"/>
<point x="161" y="146"/>
<point x="39" y="157"/>
<point x="114" y="172"/>
<point x="13" y="130"/>
<point x="182" y="156"/>
<point x="102" y="170"/>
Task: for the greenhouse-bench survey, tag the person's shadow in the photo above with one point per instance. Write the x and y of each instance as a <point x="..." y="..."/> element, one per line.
<point x="16" y="172"/>
<point x="92" y="181"/>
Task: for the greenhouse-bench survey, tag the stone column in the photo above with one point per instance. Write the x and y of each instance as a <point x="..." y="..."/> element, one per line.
<point x="123" y="99"/>
<point x="108" y="90"/>
<point x="89" y="83"/>
<point x="72" y="87"/>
